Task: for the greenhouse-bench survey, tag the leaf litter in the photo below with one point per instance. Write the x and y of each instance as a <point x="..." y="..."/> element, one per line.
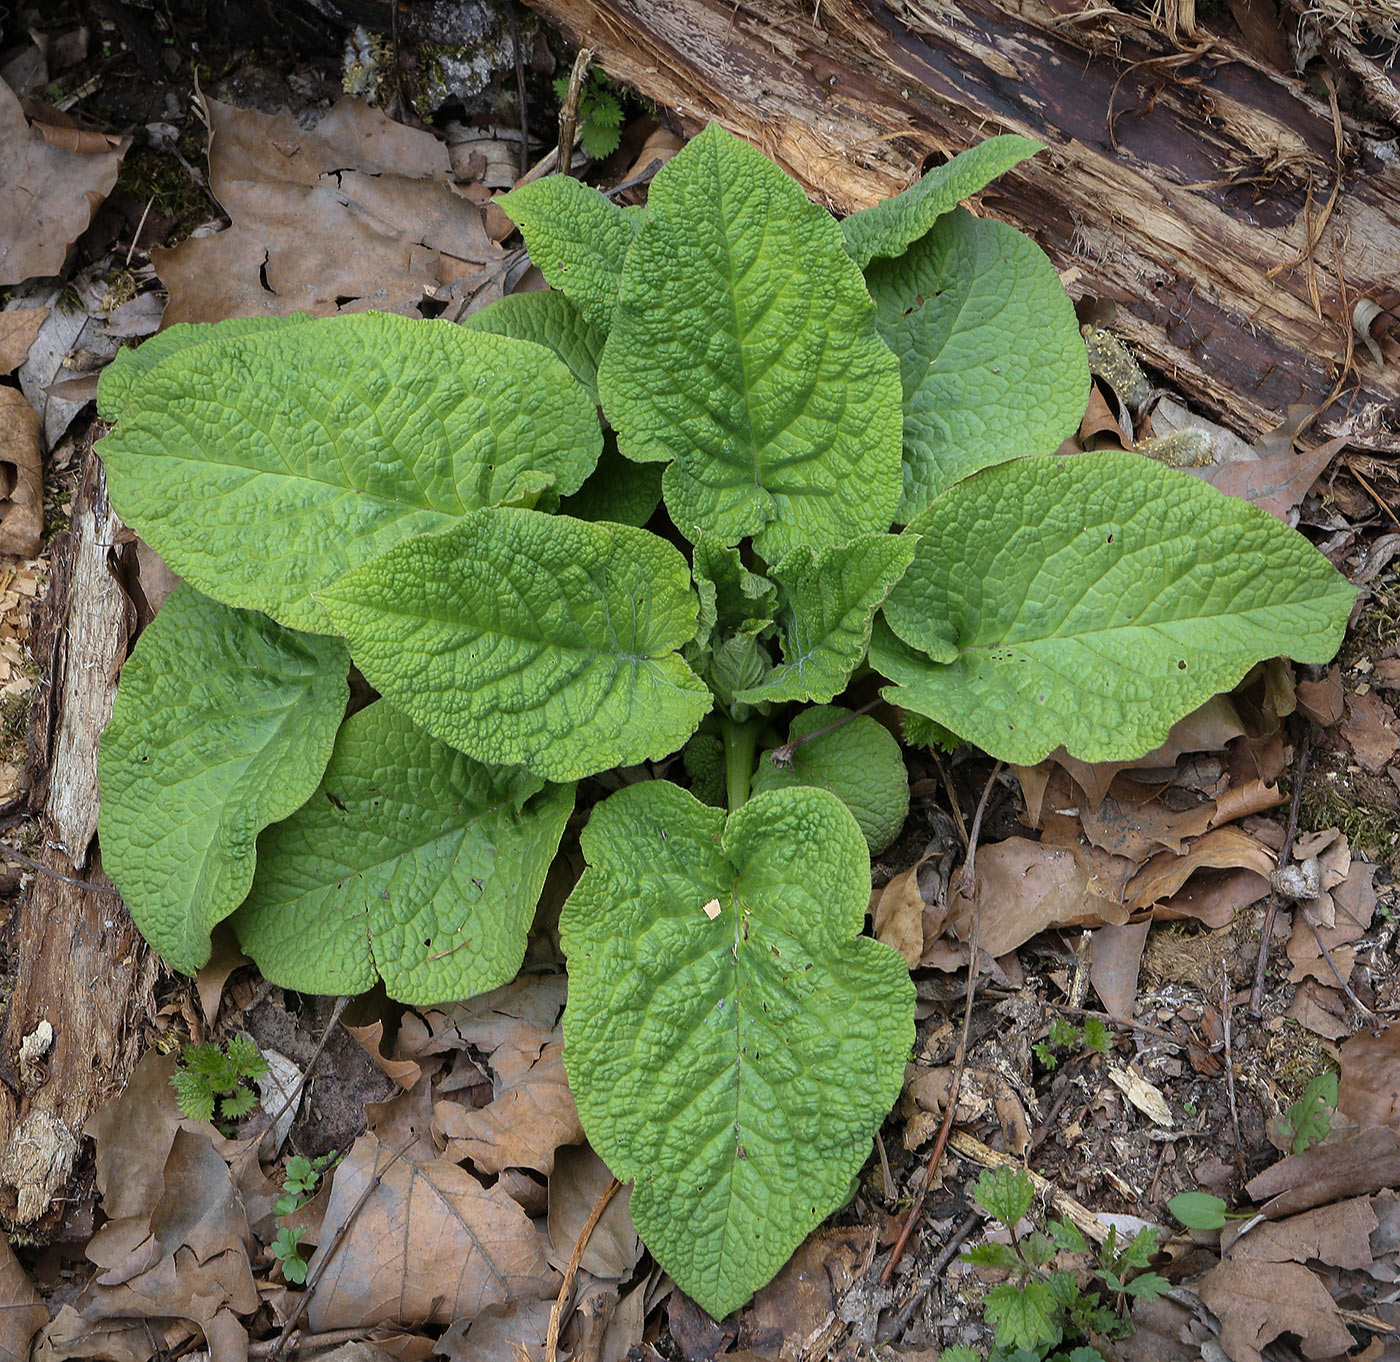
<point x="1134" y="885"/>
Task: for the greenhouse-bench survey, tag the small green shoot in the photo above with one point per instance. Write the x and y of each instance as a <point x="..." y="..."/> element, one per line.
<point x="1203" y="1211"/>
<point x="1309" y="1120"/>
<point x="286" y="1248"/>
<point x="599" y="114"/>
<point x="1041" y="1307"/>
<point x="211" y="1076"/>
<point x="1064" y="1035"/>
<point x="301" y="1179"/>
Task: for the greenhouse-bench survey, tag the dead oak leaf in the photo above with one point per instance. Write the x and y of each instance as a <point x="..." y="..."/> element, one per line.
<point x="51" y="191"/>
<point x="1339" y="1234"/>
<point x="1256" y="1302"/>
<point x="429" y="1244"/>
<point x="22" y="1313"/>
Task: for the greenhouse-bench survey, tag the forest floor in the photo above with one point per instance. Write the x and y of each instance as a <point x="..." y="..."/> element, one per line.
<point x="1130" y="1043"/>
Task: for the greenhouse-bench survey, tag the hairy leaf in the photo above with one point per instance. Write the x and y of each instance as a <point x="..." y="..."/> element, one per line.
<point x="858" y="761"/>
<point x="744" y="349"/>
<point x="990" y="355"/>
<point x="886" y="229"/>
<point x="411" y="863"/>
<point x="1092" y="601"/>
<point x="524" y="638"/>
<point x="548" y="318"/>
<point x="198" y="759"/>
<point x="130" y="365"/>
<point x="301" y="451"/>
<point x="830" y="599"/>
<point x="577" y="237"/>
<point x="618" y="490"/>
<point x="737" y="1066"/>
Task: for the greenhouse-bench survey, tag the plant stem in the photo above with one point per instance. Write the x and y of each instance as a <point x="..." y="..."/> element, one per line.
<point x="740" y="744"/>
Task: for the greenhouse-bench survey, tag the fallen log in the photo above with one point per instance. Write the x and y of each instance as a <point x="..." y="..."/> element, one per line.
<point x="1232" y="214"/>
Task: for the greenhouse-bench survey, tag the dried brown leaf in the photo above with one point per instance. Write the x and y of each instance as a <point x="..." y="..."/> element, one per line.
<point x="902" y="918"/>
<point x="1322" y="701"/>
<point x="513" y="1332"/>
<point x="51" y="192"/>
<point x="22" y="1311"/>
<point x="1339" y="1234"/>
<point x="310" y="235"/>
<point x="429" y="1244"/>
<point x="21" y="476"/>
<point x="1115" y="957"/>
<point x="1372" y="730"/>
<point x="804" y="1296"/>
<point x="579" y="1179"/>
<point x="1356" y="1165"/>
<point x="1223" y="848"/>
<point x="1368" y="1090"/>
<point x="1257" y="1302"/>
<point x="17" y="332"/>
<point x="116" y="1340"/>
<point x="133" y="1133"/>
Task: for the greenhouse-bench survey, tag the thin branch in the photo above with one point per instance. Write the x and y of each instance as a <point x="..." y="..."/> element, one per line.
<point x="300" y="1084"/>
<point x="520" y="88"/>
<point x="15" y="854"/>
<point x="568" y="114"/>
<point x="969" y="877"/>
<point x="781" y="757"/>
<point x="1227" y="1012"/>
<point x="556" y="1315"/>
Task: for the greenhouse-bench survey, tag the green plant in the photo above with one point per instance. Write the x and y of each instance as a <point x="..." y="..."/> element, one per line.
<point x="1309" y="1120"/>
<point x="599" y="113"/>
<point x="300" y="1179"/>
<point x="440" y="504"/>
<point x="210" y="1076"/>
<point x="1042" y="1311"/>
<point x="1093" y="1035"/>
<point x="286" y="1248"/>
<point x="1203" y="1211"/>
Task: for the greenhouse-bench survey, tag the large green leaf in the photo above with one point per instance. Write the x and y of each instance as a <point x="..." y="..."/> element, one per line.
<point x="737" y="1065"/>
<point x="411" y="863"/>
<point x="990" y="354"/>
<point x="223" y="723"/>
<point x="744" y="349"/>
<point x="886" y="228"/>
<point x="548" y="318"/>
<point x="577" y="237"/>
<point x="856" y="759"/>
<point x="1092" y="601"/>
<point x="617" y="490"/>
<point x="265" y="466"/>
<point x="830" y="599"/>
<point x="522" y="638"/>
<point x="129" y="366"/>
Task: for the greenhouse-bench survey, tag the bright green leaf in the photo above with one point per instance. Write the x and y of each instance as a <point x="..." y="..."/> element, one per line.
<point x="1023" y="1316"/>
<point x="193" y="1095"/>
<point x="735" y="1065"/>
<point x="238" y="1104"/>
<point x="1004" y="1193"/>
<point x="1038" y="1249"/>
<point x="547" y="318"/>
<point x="991" y="360"/>
<point x="412" y="863"/>
<point x="1309" y="1119"/>
<point x="744" y="348"/>
<point x="577" y="237"/>
<point x="990" y="1255"/>
<point x="521" y="638"/>
<point x="1067" y="1236"/>
<point x="618" y="490"/>
<point x="197" y="760"/>
<point x="300" y="452"/>
<point x="130" y="365"/>
<point x="1092" y="601"/>
<point x="1198" y="1210"/>
<point x="859" y="762"/>
<point x="1149" y="1286"/>
<point x="887" y="228"/>
<point x="830" y="599"/>
<point x="960" y="1353"/>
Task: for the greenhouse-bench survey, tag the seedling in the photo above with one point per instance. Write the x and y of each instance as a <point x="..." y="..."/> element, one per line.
<point x="286" y="1248"/>
<point x="300" y="1180"/>
<point x="1204" y="1211"/>
<point x="1042" y="1311"/>
<point x="1064" y="1035"/>
<point x="210" y="1077"/>
<point x="842" y="439"/>
<point x="599" y="113"/>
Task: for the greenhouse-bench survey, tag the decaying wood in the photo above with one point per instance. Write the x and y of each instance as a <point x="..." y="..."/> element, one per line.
<point x="1231" y="215"/>
<point x="83" y="976"/>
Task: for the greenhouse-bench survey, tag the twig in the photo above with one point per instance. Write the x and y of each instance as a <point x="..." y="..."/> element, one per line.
<point x="781" y="757"/>
<point x="15" y="854"/>
<point x="376" y="1178"/>
<point x="900" y="1320"/>
<point x="556" y="1315"/>
<point x="568" y="114"/>
<point x="1227" y="1012"/>
<point x="264" y="1347"/>
<point x="969" y="873"/>
<point x="520" y="88"/>
<point x="953" y="806"/>
<point x="1332" y="965"/>
<point x="1256" y="996"/>
<point x="648" y="172"/>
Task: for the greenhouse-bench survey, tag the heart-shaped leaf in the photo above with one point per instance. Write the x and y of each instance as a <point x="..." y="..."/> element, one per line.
<point x="732" y="1041"/>
<point x="197" y="760"/>
<point x="412" y="863"/>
